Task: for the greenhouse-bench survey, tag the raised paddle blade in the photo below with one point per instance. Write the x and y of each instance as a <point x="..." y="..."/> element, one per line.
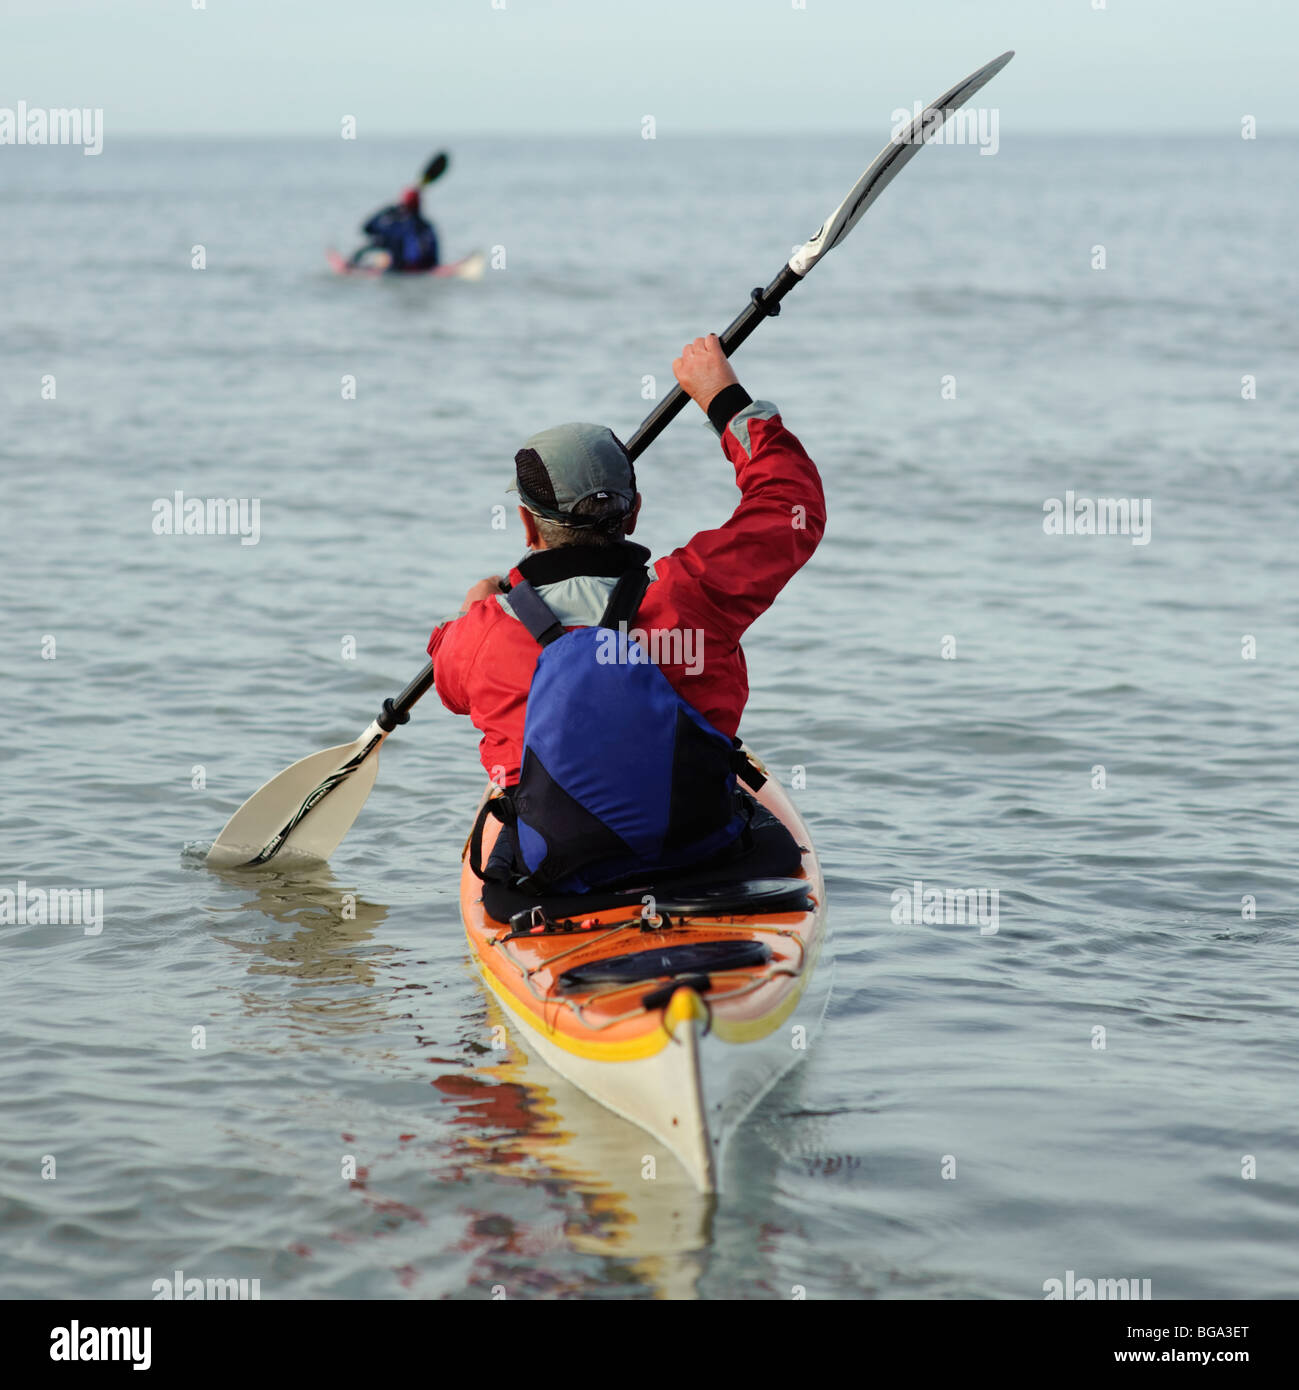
<point x="435" y="168"/>
<point x="306" y="810"/>
<point x="885" y="169"/>
<point x="763" y="303"/>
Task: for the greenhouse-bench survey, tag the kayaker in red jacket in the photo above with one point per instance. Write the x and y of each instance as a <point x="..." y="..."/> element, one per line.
<point x="580" y="500"/>
<point x="719" y="583"/>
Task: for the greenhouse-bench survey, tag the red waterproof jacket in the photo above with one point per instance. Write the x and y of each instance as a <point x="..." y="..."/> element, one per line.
<point x="699" y="603"/>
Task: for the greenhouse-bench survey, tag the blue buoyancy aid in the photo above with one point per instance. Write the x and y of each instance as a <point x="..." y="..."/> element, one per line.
<point x="406" y="236"/>
<point x="619" y="774"/>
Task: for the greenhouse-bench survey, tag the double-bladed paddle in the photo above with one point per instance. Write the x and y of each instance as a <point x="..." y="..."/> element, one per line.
<point x="310" y="806"/>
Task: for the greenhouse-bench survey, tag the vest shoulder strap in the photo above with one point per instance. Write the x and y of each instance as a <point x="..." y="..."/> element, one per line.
<point x="537" y="616"/>
<point x="626" y="598"/>
<point x="534" y="613"/>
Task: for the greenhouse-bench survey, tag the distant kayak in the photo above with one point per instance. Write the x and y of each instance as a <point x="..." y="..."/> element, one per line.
<point x="471" y="267"/>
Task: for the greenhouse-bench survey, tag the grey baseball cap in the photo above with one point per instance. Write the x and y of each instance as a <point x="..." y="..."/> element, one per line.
<point x="565" y="464"/>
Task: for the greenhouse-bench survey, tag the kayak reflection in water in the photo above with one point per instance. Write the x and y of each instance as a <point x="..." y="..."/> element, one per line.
<point x="402" y="234"/>
<point x="608" y="690"/>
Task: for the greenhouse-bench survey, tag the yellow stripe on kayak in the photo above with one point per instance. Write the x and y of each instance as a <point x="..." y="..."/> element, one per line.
<point x="627" y="1050"/>
<point x="685" y="1003"/>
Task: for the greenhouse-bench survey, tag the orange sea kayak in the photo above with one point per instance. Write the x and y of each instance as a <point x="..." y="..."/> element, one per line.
<point x="677" y="1005"/>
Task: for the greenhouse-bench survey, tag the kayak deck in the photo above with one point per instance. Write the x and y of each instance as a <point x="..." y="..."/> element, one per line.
<point x="471" y="267"/>
<point x="675" y="1015"/>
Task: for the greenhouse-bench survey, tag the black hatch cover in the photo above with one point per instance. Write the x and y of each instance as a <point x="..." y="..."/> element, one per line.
<point x="693" y="958"/>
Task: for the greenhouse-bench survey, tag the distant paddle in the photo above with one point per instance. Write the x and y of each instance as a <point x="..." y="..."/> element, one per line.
<point x="435" y="168"/>
<point x="310" y="806"/>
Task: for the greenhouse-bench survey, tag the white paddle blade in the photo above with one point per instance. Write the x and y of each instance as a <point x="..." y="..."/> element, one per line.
<point x="891" y="160"/>
<point x="306" y="810"/>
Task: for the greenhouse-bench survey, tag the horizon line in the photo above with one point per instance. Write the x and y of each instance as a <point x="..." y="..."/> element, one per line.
<point x="1072" y="133"/>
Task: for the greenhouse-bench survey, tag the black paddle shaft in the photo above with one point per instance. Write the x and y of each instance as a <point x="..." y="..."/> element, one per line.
<point x="397" y="711"/>
<point x="762" y="304"/>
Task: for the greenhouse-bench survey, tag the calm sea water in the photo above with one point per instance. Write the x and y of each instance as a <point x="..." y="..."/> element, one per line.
<point x="1101" y="730"/>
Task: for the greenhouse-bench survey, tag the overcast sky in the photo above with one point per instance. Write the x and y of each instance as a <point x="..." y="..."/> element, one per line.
<point x="423" y="67"/>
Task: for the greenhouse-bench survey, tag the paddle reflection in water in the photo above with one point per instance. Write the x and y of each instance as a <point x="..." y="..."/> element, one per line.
<point x="331" y="957"/>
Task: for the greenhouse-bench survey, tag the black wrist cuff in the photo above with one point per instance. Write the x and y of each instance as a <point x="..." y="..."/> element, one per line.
<point x="726" y="405"/>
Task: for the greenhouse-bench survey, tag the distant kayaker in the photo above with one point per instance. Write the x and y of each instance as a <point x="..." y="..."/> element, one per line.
<point x="611" y="770"/>
<point x="403" y="232"/>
